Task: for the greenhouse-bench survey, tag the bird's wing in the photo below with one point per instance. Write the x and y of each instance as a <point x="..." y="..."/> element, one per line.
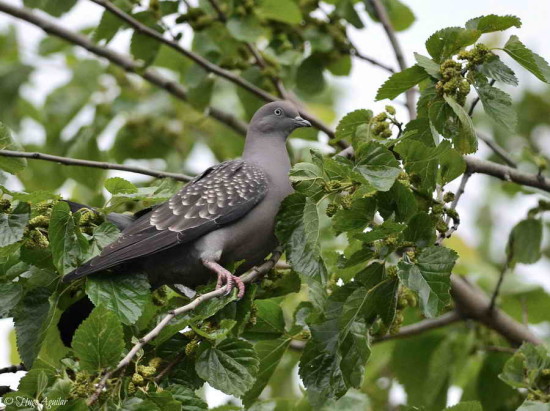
<point x="219" y="196"/>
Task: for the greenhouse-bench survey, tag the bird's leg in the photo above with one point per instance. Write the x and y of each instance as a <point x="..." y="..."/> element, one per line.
<point x="225" y="277"/>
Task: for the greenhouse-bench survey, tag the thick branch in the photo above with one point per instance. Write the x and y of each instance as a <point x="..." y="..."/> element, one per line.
<point x="67" y="161"/>
<point x="250" y="277"/>
<point x="118" y="59"/>
<point x="422" y="326"/>
<point x="12" y="369"/>
<point x="506" y="173"/>
<point x="472" y="303"/>
<point x="382" y="14"/>
<point x="204" y="63"/>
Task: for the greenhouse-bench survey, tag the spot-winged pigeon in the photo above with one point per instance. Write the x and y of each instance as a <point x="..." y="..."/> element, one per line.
<point x="225" y="215"/>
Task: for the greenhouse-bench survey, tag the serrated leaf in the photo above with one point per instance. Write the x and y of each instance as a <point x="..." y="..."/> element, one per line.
<point x="270" y="353"/>
<point x="381" y="231"/>
<point x="494" y="68"/>
<point x="496" y="103"/>
<point x="285" y="11"/>
<point x="446" y="42"/>
<point x="420" y="230"/>
<point x="524" y="368"/>
<point x="298" y="229"/>
<point x="98" y="342"/>
<point x="66" y="247"/>
<point x="347" y="127"/>
<point x="12" y="225"/>
<point x="377" y="165"/>
<point x="430" y="66"/>
<point x="399" y="201"/>
<point x="466" y="141"/>
<point x="118" y="185"/>
<point x="10" y="294"/>
<point x="187" y="397"/>
<point x="524" y="243"/>
<point x="125" y="295"/>
<point x="528" y="59"/>
<point x="231" y="366"/>
<point x="492" y="22"/>
<point x="31" y="318"/>
<point x="10" y="164"/>
<point x="357" y="217"/>
<point x="430" y="278"/>
<point x="400" y="82"/>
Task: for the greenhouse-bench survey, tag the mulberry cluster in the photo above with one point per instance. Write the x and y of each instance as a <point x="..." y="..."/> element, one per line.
<point x="453" y="82"/>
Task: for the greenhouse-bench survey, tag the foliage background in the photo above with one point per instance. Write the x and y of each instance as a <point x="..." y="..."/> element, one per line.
<point x="480" y="256"/>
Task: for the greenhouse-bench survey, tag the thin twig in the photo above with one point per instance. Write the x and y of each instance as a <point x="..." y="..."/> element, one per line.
<point x="356" y="53"/>
<point x="121" y="60"/>
<point x="249" y="277"/>
<point x="12" y="369"/>
<point x="497" y="288"/>
<point x="458" y="195"/>
<point x="204" y="63"/>
<point x="382" y="15"/>
<point x="67" y="161"/>
<point x="421" y="327"/>
<point x="170" y="365"/>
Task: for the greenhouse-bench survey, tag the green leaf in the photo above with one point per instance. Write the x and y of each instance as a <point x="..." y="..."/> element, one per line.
<point x="430" y="278"/>
<point x="98" y="342"/>
<point x="270" y="322"/>
<point x="492" y="22"/>
<point x="533" y="406"/>
<point x="524" y="243"/>
<point x="307" y="178"/>
<point x="496" y="103"/>
<point x="466" y="141"/>
<point x="31" y="319"/>
<point x="399" y="201"/>
<point x="110" y="24"/>
<point x="452" y="165"/>
<point x="142" y="46"/>
<point x="528" y="59"/>
<point x="377" y="165"/>
<point x="10" y="164"/>
<point x="125" y="295"/>
<point x="285" y="11"/>
<point x="422" y="161"/>
<point x="346" y="10"/>
<point x="357" y="217"/>
<point x="246" y="28"/>
<point x="400" y="15"/>
<point x="270" y="353"/>
<point x="231" y="366"/>
<point x="381" y="231"/>
<point x="53" y="7"/>
<point x="298" y="229"/>
<point x="66" y="247"/>
<point x="10" y="294"/>
<point x="430" y="66"/>
<point x="347" y="127"/>
<point x="524" y="368"/>
<point x="420" y="230"/>
<point x="400" y="82"/>
<point x="466" y="406"/>
<point x="494" y="68"/>
<point x="187" y="397"/>
<point x="118" y="185"/>
<point x="309" y="76"/>
<point x="446" y="42"/>
<point x="12" y="225"/>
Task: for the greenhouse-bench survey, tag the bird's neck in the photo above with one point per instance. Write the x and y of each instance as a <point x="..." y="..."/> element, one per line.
<point x="270" y="153"/>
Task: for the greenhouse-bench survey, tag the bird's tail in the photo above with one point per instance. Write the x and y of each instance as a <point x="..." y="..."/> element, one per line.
<point x="72" y="317"/>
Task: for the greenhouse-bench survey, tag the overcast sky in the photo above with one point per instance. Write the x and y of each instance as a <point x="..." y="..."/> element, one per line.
<point x="357" y="90"/>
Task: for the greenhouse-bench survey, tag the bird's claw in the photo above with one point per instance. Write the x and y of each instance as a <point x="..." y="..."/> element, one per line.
<point x="230" y="281"/>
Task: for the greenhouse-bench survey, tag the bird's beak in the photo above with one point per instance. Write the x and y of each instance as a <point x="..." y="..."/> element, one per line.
<point x="300" y="122"/>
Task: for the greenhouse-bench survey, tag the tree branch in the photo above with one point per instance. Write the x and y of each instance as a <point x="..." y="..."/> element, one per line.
<point x="12" y="369"/>
<point x="382" y="15"/>
<point x="422" y="326"/>
<point x="497" y="287"/>
<point x="121" y="60"/>
<point x="498" y="150"/>
<point x="204" y="63"/>
<point x="506" y="173"/>
<point x="67" y="161"/>
<point x="249" y="277"/>
<point x="355" y="52"/>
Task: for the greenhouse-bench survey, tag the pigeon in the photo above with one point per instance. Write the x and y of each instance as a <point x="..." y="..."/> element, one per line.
<point x="223" y="216"/>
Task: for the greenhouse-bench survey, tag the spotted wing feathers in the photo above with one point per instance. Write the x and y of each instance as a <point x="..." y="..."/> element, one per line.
<point x="219" y="196"/>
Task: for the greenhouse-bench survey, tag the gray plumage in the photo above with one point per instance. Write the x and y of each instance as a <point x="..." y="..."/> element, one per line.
<point x="226" y="214"/>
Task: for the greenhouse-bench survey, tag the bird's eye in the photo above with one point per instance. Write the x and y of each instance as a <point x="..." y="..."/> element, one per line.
<point x="278" y="111"/>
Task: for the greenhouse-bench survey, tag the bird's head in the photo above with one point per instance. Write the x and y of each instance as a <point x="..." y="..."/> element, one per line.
<point x="280" y="117"/>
